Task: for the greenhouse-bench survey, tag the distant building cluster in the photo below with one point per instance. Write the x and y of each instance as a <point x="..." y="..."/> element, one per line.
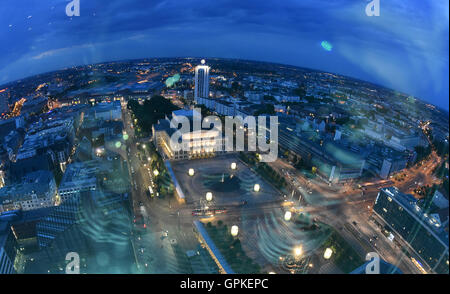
<point x="61" y="172"/>
<point x="316" y="126"/>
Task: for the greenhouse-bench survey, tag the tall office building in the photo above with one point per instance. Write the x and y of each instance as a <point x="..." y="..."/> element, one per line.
<point x="4" y="101"/>
<point x="426" y="234"/>
<point x="201" y="81"/>
<point x="8" y="249"/>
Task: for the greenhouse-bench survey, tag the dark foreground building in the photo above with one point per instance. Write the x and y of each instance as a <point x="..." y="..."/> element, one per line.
<point x="424" y="234"/>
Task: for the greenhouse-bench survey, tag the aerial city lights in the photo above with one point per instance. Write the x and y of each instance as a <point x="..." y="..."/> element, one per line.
<point x="132" y="165"/>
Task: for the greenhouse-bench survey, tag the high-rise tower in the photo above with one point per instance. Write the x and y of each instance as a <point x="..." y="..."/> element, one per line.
<point x="201" y="81"/>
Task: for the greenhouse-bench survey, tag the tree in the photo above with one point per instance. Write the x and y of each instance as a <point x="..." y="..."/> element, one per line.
<point x="153" y="110"/>
<point x="300" y="91"/>
<point x="266" y="109"/>
<point x="269" y="98"/>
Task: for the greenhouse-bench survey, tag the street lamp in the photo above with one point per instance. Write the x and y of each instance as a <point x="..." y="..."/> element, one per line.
<point x="327" y="254"/>
<point x="233" y="165"/>
<point x="209" y="196"/>
<point x="298" y="251"/>
<point x="287" y="216"/>
<point x="156" y="172"/>
<point x="191" y="172"/>
<point x="256" y="188"/>
<point x="234" y="231"/>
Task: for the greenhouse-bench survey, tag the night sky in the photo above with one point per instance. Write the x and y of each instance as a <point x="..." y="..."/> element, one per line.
<point x="405" y="48"/>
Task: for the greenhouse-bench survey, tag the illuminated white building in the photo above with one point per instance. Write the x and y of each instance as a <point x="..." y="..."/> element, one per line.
<point x="195" y="143"/>
<point x="201" y="81"/>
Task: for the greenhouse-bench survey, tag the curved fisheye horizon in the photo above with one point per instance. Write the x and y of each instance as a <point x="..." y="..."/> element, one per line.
<point x="243" y="137"/>
<point x="5" y="85"/>
<point x="404" y="48"/>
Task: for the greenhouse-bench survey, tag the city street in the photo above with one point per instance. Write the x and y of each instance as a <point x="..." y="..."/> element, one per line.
<point x="345" y="205"/>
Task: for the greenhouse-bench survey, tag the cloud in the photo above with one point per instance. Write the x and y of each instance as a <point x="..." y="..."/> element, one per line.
<point x="405" y="48"/>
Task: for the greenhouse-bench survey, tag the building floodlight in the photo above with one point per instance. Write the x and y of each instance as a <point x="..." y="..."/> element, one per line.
<point x="209" y="196"/>
<point x="298" y="251"/>
<point x="327" y="254"/>
<point x="234" y="231"/>
<point x="287" y="216"/>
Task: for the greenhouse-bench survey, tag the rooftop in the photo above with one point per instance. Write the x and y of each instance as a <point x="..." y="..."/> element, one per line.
<point x="82" y="173"/>
<point x="36" y="183"/>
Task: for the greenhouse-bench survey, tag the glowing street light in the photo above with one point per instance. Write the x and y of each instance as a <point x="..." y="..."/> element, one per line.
<point x="287" y="216"/>
<point x="191" y="172"/>
<point x="327" y="254"/>
<point x="209" y="196"/>
<point x="256" y="188"/>
<point x="233" y="165"/>
<point x="234" y="231"/>
<point x="298" y="251"/>
<point x="156" y="172"/>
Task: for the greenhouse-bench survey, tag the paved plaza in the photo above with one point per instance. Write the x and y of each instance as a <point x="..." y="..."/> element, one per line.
<point x="229" y="187"/>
